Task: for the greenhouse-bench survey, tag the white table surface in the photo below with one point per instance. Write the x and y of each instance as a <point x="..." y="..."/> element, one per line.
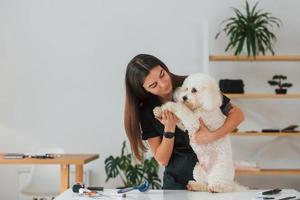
<point x="176" y="195"/>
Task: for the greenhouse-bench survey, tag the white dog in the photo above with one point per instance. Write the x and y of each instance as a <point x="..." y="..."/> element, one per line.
<point x="200" y="97"/>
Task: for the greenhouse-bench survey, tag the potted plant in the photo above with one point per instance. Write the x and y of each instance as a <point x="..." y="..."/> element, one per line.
<point x="250" y="31"/>
<point x="277" y="80"/>
<point x="132" y="173"/>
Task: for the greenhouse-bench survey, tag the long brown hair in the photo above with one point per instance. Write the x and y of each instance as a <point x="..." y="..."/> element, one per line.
<point x="137" y="69"/>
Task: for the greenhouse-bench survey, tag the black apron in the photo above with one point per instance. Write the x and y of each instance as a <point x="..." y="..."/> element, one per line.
<point x="181" y="164"/>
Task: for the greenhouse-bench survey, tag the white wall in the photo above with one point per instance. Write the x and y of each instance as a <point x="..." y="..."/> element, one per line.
<point x="62" y="67"/>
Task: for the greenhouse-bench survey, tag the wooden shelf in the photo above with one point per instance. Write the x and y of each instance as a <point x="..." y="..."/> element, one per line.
<point x="264" y="134"/>
<point x="262" y="96"/>
<point x="275" y="58"/>
<point x="269" y="172"/>
<point x="289" y="58"/>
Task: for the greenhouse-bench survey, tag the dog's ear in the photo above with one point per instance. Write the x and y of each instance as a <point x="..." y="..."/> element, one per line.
<point x="177" y="94"/>
<point x="211" y="95"/>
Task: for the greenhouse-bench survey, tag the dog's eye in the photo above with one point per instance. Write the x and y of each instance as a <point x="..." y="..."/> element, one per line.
<point x="194" y="90"/>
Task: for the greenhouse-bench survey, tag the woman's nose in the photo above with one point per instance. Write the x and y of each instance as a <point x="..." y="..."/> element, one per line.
<point x="163" y="83"/>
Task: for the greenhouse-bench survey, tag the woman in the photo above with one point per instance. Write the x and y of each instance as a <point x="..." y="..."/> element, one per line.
<point x="149" y="83"/>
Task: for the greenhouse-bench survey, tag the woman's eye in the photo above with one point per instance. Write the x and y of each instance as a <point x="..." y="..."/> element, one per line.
<point x="194" y="90"/>
<point x="154" y="86"/>
<point x="162" y="75"/>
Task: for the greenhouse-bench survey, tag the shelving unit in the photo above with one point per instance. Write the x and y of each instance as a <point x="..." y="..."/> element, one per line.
<point x="285" y="58"/>
<point x="263" y="96"/>
<point x="269" y="172"/>
<point x="277" y="58"/>
<point x="274" y="134"/>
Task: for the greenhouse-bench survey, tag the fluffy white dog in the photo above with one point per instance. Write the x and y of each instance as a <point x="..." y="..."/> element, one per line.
<point x="200" y="97"/>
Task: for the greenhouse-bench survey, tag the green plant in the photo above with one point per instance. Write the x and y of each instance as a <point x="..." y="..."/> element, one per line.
<point x="252" y="29"/>
<point x="277" y="80"/>
<point x="131" y="173"/>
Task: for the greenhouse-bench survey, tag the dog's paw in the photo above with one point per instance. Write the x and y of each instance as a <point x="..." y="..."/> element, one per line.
<point x="171" y="106"/>
<point x="196" y="186"/>
<point x="218" y="188"/>
<point x="238" y="187"/>
<point x="157" y="111"/>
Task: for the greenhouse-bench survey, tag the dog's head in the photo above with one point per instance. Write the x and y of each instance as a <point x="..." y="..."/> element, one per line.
<point x="199" y="91"/>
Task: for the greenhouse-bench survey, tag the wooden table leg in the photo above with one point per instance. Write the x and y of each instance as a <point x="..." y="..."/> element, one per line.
<point x="79" y="173"/>
<point x="64" y="177"/>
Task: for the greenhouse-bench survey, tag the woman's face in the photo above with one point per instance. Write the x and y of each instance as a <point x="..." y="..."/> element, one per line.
<point x="158" y="82"/>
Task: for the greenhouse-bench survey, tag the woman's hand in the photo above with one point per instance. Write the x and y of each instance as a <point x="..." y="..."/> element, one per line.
<point x="169" y="120"/>
<point x="203" y="135"/>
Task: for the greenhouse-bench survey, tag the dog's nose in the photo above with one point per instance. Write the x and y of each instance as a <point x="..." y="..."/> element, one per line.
<point x="184" y="98"/>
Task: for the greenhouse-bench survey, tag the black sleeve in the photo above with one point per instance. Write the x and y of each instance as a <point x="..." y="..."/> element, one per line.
<point x="226" y="105"/>
<point x="147" y="122"/>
